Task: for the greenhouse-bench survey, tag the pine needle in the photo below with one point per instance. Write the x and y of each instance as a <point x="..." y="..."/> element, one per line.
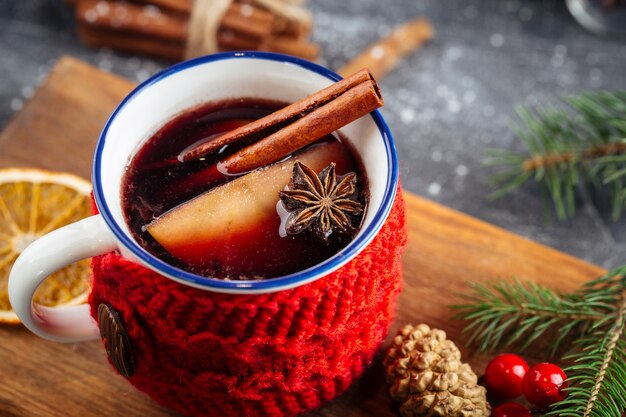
<point x="505" y="314"/>
<point x="598" y="372"/>
<point x="588" y="323"/>
<point x="568" y="149"/>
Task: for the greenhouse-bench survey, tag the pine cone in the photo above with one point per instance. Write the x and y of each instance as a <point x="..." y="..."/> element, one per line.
<point x="425" y="373"/>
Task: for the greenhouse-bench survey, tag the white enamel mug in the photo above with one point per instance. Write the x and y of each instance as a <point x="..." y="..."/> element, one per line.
<point x="141" y="113"/>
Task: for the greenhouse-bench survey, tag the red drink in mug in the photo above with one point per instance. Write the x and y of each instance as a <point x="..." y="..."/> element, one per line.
<point x="272" y="325"/>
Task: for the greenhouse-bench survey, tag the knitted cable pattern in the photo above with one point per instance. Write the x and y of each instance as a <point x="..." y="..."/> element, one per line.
<point x="270" y="355"/>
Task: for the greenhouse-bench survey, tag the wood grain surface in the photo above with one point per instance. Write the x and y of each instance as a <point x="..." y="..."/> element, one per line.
<point x="57" y="130"/>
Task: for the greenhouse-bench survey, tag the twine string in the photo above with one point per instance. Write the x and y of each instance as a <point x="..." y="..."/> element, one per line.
<point x="206" y="16"/>
<point x="204" y="24"/>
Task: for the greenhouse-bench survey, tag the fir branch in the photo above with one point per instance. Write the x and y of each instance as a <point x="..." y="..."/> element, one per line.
<point x="567" y="149"/>
<point x="505" y="314"/>
<point x="598" y="373"/>
<point x="593" y="317"/>
<point x="515" y="314"/>
<point x="585" y="154"/>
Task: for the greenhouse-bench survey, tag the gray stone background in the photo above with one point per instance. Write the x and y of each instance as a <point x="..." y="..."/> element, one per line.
<point x="446" y="104"/>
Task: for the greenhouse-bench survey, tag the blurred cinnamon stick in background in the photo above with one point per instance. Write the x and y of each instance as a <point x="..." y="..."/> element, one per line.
<point x="161" y="27"/>
<point x="383" y="56"/>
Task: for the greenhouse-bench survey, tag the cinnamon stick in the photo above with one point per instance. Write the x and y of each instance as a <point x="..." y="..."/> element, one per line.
<point x="144" y="45"/>
<point x="183" y="6"/>
<point x="297" y="125"/>
<point x="229" y="40"/>
<point x="281" y="24"/>
<point x="130" y="18"/>
<point x="245" y="18"/>
<point x="299" y="18"/>
<point x="173" y="49"/>
<point x="291" y="46"/>
<point x="383" y="56"/>
<point x="241" y="20"/>
<point x="286" y="27"/>
<point x="137" y="29"/>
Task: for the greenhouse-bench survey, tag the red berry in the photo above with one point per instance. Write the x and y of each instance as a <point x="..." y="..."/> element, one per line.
<point x="504" y="376"/>
<point x="511" y="410"/>
<point x="544" y="384"/>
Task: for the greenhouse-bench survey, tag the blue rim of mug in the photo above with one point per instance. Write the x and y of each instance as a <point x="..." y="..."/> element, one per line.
<point x="247" y="286"/>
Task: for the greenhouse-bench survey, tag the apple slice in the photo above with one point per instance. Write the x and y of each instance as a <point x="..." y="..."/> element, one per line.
<point x="235" y="226"/>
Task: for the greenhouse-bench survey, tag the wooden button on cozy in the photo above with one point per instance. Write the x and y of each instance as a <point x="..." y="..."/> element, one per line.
<point x="115" y="340"/>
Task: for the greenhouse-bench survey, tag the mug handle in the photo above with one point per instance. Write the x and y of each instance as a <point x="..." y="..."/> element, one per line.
<point x="51" y="252"/>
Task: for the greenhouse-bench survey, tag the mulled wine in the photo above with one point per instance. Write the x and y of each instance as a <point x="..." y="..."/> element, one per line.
<point x="200" y="218"/>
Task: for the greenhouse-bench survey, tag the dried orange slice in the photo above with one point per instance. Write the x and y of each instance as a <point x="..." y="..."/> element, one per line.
<point x="34" y="202"/>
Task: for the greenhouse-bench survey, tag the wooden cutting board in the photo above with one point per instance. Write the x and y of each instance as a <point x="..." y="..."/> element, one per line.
<point x="58" y="128"/>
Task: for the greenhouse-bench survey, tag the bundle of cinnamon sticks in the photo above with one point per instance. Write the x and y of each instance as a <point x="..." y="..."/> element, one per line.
<point x="164" y="28"/>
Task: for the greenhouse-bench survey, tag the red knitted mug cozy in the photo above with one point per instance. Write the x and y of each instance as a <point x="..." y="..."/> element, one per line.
<point x="278" y="354"/>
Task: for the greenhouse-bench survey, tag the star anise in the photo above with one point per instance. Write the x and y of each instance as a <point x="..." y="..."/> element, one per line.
<point x="318" y="203"/>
